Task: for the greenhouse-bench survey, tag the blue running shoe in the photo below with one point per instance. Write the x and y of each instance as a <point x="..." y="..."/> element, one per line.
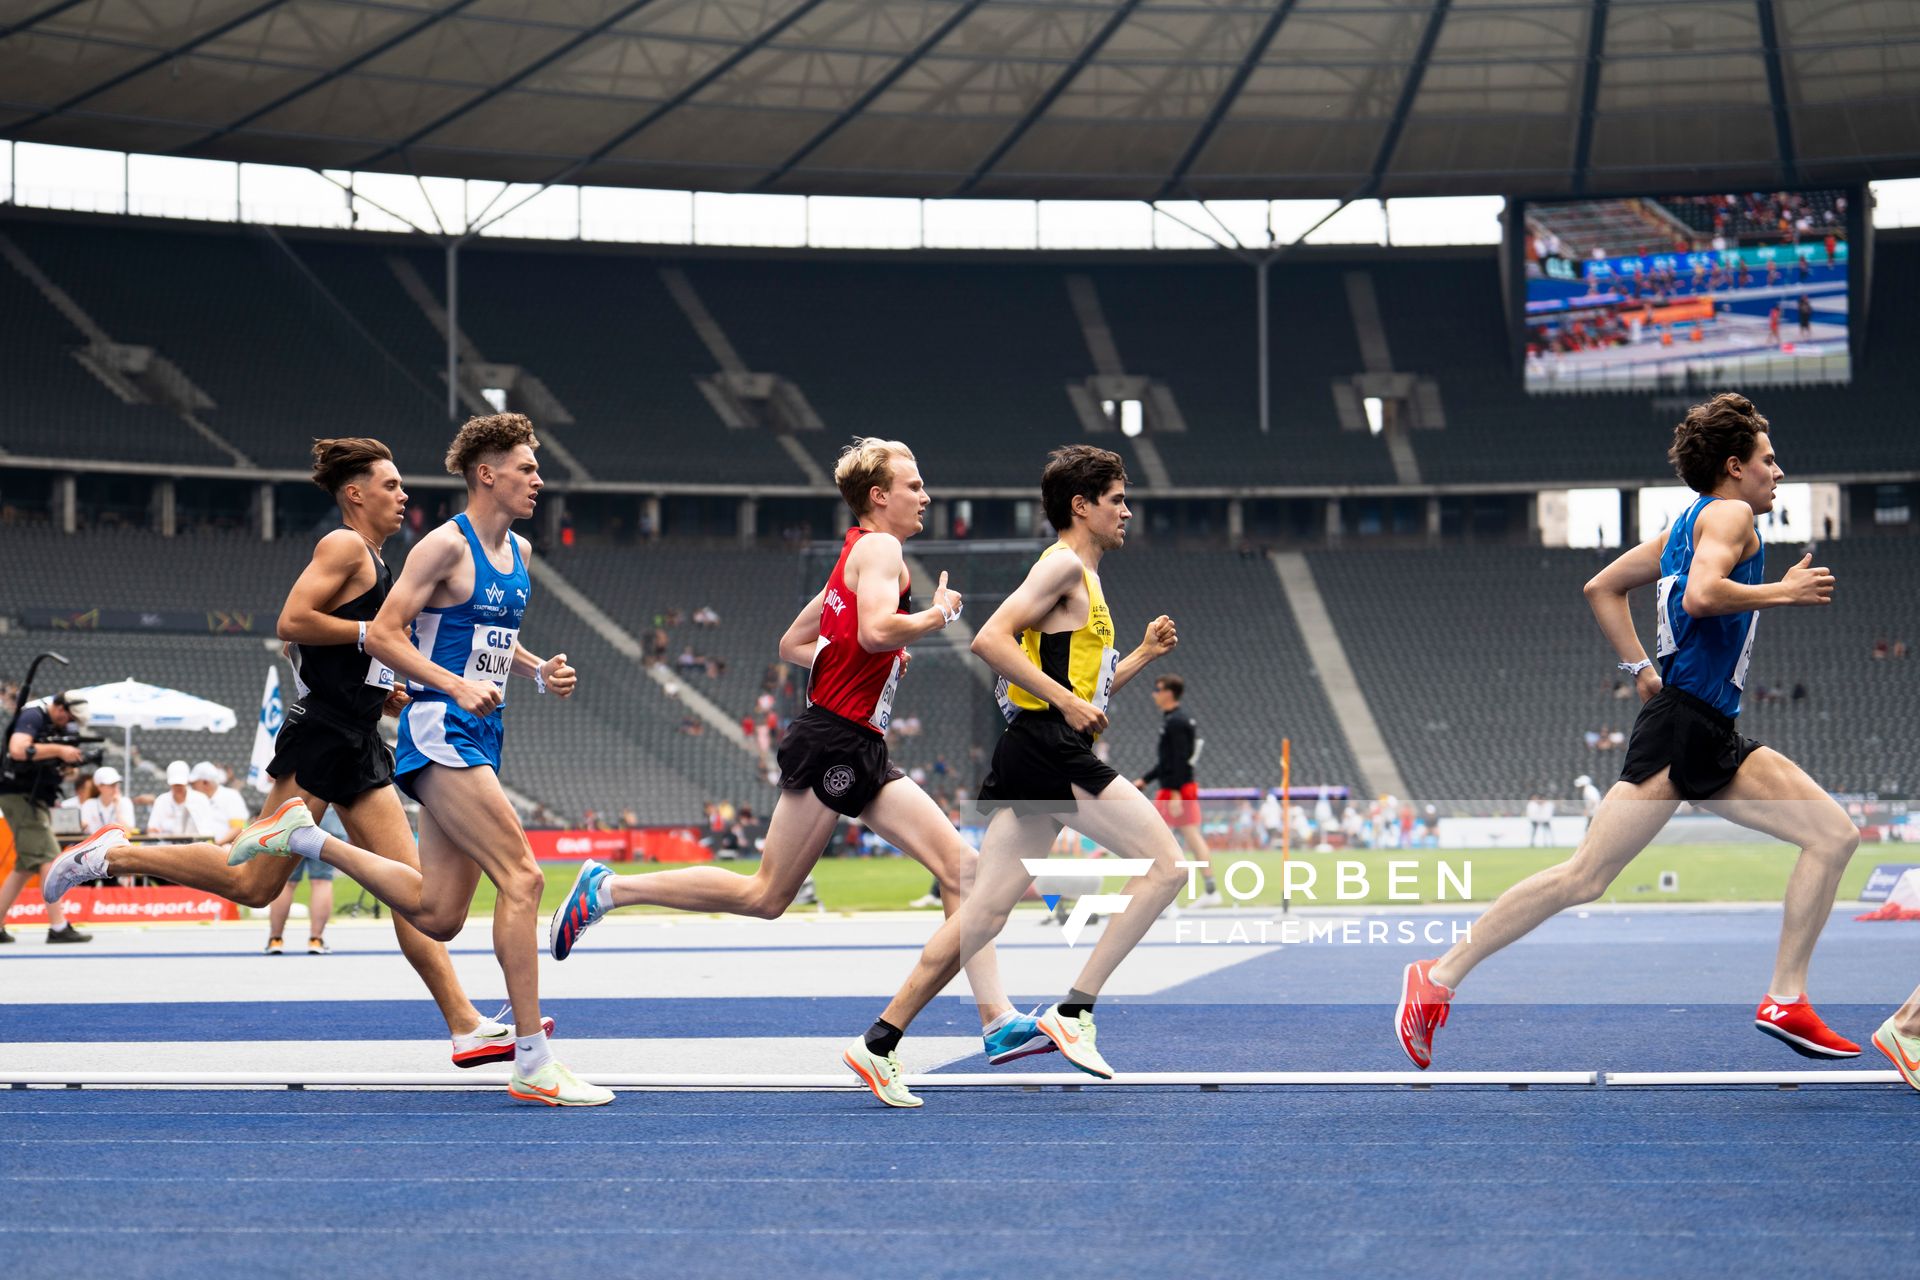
<point x="1019" y="1037"/>
<point x="580" y="908"/>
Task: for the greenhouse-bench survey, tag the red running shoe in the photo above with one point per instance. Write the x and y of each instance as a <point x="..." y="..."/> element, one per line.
<point x="1795" y="1024"/>
<point x="1422" y="1010"/>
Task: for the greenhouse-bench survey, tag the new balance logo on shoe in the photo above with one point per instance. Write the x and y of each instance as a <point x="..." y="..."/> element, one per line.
<point x="1774" y="1012"/>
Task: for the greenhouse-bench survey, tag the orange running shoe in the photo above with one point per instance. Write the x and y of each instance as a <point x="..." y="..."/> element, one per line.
<point x="1795" y="1024"/>
<point x="1422" y="1011"/>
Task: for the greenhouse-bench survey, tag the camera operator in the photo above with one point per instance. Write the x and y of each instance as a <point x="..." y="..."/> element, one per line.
<point x="29" y="788"/>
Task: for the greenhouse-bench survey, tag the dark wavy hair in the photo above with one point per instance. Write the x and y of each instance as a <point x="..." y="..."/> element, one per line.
<point x="1076" y="471"/>
<point x="337" y="463"/>
<point x="1727" y="426"/>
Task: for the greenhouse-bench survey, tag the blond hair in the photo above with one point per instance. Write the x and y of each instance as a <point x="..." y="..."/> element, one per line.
<point x="865" y="464"/>
<point x="494" y="433"/>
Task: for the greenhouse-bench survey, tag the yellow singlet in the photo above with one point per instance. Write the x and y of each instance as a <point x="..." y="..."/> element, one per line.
<point x="1083" y="660"/>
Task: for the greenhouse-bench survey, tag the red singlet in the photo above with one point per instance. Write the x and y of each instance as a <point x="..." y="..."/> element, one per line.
<point x="847" y="680"/>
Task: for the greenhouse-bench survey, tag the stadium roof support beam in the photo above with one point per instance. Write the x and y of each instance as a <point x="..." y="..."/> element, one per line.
<point x="1589" y="93"/>
<point x="479" y="100"/>
<point x="907" y="62"/>
<point x="322" y="81"/>
<point x="1777" y="92"/>
<point x="1255" y="52"/>
<point x="1046" y="100"/>
<point x="34" y="19"/>
<point x="139" y="69"/>
<point x="1409" y="91"/>
<point x="686" y="94"/>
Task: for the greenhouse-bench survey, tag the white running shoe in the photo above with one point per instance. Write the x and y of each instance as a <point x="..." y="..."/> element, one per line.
<point x="556" y="1086"/>
<point x="491" y="1041"/>
<point x="83" y="862"/>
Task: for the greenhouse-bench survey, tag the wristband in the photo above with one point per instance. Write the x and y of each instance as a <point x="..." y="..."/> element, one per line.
<point x="1635" y="668"/>
<point x="953" y="617"/>
<point x="539" y="680"/>
<point x="363" y="637"/>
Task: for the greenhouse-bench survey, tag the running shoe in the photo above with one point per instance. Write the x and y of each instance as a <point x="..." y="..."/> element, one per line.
<point x="882" y="1075"/>
<point x="555" y="1086"/>
<point x="318" y="947"/>
<point x="276" y="947"/>
<point x="83" y="862"/>
<point x="1019" y="1037"/>
<point x="1074" y="1038"/>
<point x="580" y="908"/>
<point x="1422" y="1011"/>
<point x="1902" y="1051"/>
<point x="5" y="937"/>
<point x="67" y="933"/>
<point x="271" y="833"/>
<point x="1795" y="1024"/>
<point x="491" y="1041"/>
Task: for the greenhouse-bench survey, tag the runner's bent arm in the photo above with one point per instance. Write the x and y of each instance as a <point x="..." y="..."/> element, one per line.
<point x="876" y="564"/>
<point x="1720" y="535"/>
<point x="998" y="642"/>
<point x="436" y="556"/>
<point x="1158" y="642"/>
<point x="1607" y="593"/>
<point x="304" y="618"/>
<point x="798" y="644"/>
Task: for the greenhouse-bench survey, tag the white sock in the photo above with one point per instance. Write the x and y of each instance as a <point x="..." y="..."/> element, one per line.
<point x="307" y="841"/>
<point x="1785" y="1000"/>
<point x="530" y="1053"/>
<point x="997" y="1023"/>
<point x="603" y="896"/>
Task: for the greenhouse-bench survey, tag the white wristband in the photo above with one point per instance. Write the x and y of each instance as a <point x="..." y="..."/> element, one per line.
<point x="953" y="617"/>
<point x="1635" y="668"/>
<point x="539" y="680"/>
<point x="363" y="637"/>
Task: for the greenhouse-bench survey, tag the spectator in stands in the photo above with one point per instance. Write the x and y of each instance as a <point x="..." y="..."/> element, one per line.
<point x="229" y="809"/>
<point x="1880" y="649"/>
<point x="704" y="616"/>
<point x="1589" y="797"/>
<point x="1806" y="311"/>
<point x="1539" y="821"/>
<point x="1270" y="819"/>
<point x="109" y="804"/>
<point x="1799" y="694"/>
<point x="180" y="810"/>
<point x="1899" y="649"/>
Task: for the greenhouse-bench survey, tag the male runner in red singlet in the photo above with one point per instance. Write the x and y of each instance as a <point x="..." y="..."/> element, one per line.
<point x="833" y="760"/>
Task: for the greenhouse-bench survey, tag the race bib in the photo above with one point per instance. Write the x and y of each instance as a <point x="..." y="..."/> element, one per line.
<point x="491" y="659"/>
<point x="883" y="705"/>
<point x="379" y="675"/>
<point x="1103" y="687"/>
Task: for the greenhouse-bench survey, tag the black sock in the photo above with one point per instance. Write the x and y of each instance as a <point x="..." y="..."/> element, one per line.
<point x="1207" y="881"/>
<point x="883" y="1037"/>
<point x="1076" y="1003"/>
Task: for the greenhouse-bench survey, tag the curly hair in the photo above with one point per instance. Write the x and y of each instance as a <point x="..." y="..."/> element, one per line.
<point x="1726" y="426"/>
<point x="336" y="463"/>
<point x="494" y="433"/>
<point x="866" y="465"/>
<point x="1076" y="471"/>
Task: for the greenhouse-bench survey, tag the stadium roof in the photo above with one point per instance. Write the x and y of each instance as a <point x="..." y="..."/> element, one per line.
<point x="1060" y="99"/>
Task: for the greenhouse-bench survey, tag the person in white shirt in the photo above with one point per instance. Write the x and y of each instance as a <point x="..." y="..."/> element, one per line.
<point x="180" y="810"/>
<point x="110" y="807"/>
<point x="1269" y="819"/>
<point x="1589" y="796"/>
<point x="229" y="808"/>
<point x="1540" y="818"/>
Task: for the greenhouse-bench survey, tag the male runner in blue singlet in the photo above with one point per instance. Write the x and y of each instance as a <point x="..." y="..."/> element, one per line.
<point x="450" y="627"/>
<point x="1707" y="570"/>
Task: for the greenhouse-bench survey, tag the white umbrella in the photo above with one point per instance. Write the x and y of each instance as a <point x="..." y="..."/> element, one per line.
<point x="130" y="705"/>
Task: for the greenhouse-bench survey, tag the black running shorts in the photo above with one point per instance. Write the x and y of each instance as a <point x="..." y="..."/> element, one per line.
<point x="329" y="756"/>
<point x="1684" y="735"/>
<point x="835" y="759"/>
<point x="1039" y="758"/>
